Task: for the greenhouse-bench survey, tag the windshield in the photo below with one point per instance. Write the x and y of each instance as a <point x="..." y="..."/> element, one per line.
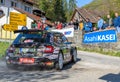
<point x="27" y="38"/>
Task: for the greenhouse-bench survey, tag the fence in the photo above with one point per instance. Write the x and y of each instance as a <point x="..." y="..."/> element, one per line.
<point x="78" y="39"/>
<point x="7" y="35"/>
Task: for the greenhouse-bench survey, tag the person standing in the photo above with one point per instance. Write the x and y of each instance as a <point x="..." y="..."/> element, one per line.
<point x="33" y="24"/>
<point x="100" y="23"/>
<point x="109" y="21"/>
<point x="59" y="25"/>
<point x="105" y="25"/>
<point x="116" y="22"/>
<point x="39" y="24"/>
<point x="88" y="26"/>
<point x="81" y="24"/>
<point x="76" y="24"/>
<point x="46" y="27"/>
<point x="43" y="19"/>
<point x="24" y="28"/>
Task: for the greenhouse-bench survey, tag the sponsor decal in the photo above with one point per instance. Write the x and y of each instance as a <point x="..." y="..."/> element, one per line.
<point x="67" y="32"/>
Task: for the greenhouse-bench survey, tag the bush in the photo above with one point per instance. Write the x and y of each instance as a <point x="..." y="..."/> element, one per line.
<point x="3" y="47"/>
<point x="102" y="51"/>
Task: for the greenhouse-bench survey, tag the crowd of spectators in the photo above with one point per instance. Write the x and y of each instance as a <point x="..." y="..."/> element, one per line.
<point x="86" y="26"/>
<point x="109" y="23"/>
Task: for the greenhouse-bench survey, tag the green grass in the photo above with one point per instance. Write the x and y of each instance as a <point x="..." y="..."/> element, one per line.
<point x="102" y="51"/>
<point x="3" y="47"/>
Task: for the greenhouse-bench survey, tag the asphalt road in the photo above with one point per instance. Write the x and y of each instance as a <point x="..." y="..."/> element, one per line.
<point x="90" y="67"/>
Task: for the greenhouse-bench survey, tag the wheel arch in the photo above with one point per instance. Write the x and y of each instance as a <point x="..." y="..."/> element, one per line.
<point x="72" y="49"/>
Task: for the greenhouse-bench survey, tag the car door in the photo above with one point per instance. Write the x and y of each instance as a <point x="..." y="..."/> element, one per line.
<point x="67" y="47"/>
<point x="60" y="40"/>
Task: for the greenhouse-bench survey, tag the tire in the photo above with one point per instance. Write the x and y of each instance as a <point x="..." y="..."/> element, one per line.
<point x="59" y="64"/>
<point x="11" y="66"/>
<point x="74" y="56"/>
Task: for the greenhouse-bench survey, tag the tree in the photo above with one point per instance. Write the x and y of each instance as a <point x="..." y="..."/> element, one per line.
<point x="47" y="7"/>
<point x="58" y="10"/>
<point x="72" y="6"/>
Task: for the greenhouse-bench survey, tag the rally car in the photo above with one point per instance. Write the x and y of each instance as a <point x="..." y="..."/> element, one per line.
<point x="40" y="48"/>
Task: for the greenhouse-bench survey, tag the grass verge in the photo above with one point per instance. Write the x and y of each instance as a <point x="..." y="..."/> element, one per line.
<point x="3" y="47"/>
<point x="102" y="51"/>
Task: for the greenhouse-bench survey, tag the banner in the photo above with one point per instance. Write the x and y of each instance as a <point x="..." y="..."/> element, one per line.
<point x="68" y="32"/>
<point x="101" y="36"/>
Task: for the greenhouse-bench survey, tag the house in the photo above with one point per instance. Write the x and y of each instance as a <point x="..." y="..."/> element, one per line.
<point x="82" y="13"/>
<point x="28" y="7"/>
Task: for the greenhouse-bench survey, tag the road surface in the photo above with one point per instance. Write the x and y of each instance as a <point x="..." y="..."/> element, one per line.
<point x="90" y="67"/>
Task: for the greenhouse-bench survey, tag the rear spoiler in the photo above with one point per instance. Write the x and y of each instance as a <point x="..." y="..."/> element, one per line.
<point x="29" y="31"/>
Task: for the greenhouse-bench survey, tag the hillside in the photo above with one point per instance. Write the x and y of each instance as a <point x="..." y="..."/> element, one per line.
<point x="103" y="7"/>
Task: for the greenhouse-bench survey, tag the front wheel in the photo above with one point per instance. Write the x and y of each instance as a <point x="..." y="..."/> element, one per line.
<point x="59" y="64"/>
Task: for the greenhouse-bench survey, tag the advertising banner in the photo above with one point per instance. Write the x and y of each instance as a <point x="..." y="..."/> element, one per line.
<point x="68" y="32"/>
<point x="101" y="36"/>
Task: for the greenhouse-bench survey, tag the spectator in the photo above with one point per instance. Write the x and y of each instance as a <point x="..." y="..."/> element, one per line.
<point x="76" y="24"/>
<point x="64" y="25"/>
<point x="81" y="24"/>
<point x="88" y="26"/>
<point x="24" y="28"/>
<point x="55" y="23"/>
<point x="43" y="26"/>
<point x="105" y="25"/>
<point x="34" y="24"/>
<point x="43" y="19"/>
<point x="100" y="23"/>
<point x="71" y="23"/>
<point x="109" y="21"/>
<point x="116" y="22"/>
<point x="46" y="27"/>
<point x="59" y="25"/>
<point x="39" y="24"/>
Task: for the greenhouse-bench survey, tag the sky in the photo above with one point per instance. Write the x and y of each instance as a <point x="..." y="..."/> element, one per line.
<point x="81" y="3"/>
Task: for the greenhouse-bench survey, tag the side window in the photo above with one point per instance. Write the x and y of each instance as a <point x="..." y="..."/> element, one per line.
<point x="57" y="39"/>
<point x="27" y="8"/>
<point x="2" y="2"/>
<point x="13" y="4"/>
<point x="64" y="39"/>
<point x="1" y="13"/>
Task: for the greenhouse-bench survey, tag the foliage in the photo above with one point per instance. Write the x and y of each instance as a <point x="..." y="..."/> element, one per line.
<point x="58" y="10"/>
<point x="102" y="51"/>
<point x="103" y="7"/>
<point x="3" y="47"/>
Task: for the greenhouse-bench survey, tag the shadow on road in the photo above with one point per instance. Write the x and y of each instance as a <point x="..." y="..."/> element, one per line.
<point x="111" y="77"/>
<point x="35" y="75"/>
<point x="69" y="65"/>
<point x="31" y="76"/>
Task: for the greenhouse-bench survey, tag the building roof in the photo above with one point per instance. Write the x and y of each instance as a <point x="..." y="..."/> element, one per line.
<point x="30" y="1"/>
<point x="32" y="16"/>
<point x="84" y="13"/>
